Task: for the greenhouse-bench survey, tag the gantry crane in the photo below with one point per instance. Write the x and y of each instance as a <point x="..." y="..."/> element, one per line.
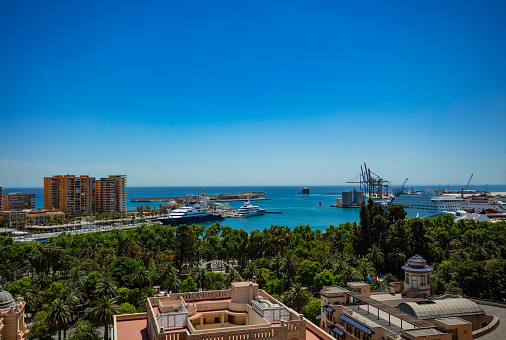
<point x="374" y="186"/>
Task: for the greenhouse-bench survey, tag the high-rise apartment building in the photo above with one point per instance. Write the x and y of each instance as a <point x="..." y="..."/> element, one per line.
<point x="120" y="193"/>
<point x="18" y="201"/>
<point x="105" y="195"/>
<point x="69" y="193"/>
<point x="72" y="194"/>
<point x="1" y="197"/>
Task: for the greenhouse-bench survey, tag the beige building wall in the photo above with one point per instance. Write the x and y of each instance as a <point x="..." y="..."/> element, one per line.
<point x="14" y="327"/>
<point x="18" y="201"/>
<point x="69" y="193"/>
<point x="120" y="194"/>
<point x="105" y="195"/>
<point x="244" y="292"/>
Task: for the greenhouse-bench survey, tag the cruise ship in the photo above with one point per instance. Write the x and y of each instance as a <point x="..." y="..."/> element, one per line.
<point x="189" y="214"/>
<point x="429" y="204"/>
<point x="248" y="210"/>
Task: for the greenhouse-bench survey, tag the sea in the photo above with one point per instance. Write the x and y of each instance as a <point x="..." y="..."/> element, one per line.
<point x="295" y="209"/>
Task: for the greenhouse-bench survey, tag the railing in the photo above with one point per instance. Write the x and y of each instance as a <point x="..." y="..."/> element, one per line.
<point x="201" y="296"/>
<point x="295" y="325"/>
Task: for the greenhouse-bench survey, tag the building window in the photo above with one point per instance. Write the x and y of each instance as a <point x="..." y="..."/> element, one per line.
<point x="217" y="319"/>
<point x="407" y="279"/>
<point x="414" y="282"/>
<point x="422" y="280"/>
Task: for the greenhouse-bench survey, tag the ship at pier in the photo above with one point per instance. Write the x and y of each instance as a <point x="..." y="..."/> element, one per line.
<point x="189" y="214"/>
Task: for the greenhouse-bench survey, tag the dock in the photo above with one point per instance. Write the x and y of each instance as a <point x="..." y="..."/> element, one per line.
<point x="240" y="196"/>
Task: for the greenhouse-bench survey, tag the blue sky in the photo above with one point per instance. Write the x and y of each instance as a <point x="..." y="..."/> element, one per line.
<point x="253" y="93"/>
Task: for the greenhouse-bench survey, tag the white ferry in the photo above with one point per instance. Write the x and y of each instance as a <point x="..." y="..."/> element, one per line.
<point x="248" y="210"/>
<point x="481" y="203"/>
<point x="429" y="204"/>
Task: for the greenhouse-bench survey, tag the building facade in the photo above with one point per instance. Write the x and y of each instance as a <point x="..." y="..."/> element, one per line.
<point x="12" y="317"/>
<point x="69" y="193"/>
<point x="84" y="194"/>
<point x="120" y="193"/>
<point x="18" y="201"/>
<point x="243" y="312"/>
<point x="105" y="195"/>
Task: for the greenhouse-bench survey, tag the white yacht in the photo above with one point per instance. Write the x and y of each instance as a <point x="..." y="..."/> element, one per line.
<point x="248" y="210"/>
<point x="189" y="214"/>
<point x="429" y="204"/>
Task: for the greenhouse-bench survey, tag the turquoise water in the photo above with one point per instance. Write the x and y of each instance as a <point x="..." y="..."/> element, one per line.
<point x="296" y="209"/>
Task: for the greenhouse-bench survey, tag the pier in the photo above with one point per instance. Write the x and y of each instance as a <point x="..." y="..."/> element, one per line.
<point x="240" y="196"/>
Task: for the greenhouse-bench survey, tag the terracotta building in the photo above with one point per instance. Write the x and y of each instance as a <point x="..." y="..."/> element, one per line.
<point x="241" y="313"/>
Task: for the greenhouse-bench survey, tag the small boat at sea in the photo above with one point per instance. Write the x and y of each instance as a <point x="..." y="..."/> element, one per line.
<point x="248" y="209"/>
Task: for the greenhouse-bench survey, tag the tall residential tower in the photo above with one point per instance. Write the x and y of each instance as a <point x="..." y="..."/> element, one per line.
<point x="120" y="193"/>
<point x="72" y="194"/>
<point x="69" y="193"/>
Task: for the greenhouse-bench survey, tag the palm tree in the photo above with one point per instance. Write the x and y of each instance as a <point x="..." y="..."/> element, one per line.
<point x="296" y="297"/>
<point x="275" y="264"/>
<point x="34" y="297"/>
<point x="71" y="296"/>
<point x="104" y="312"/>
<point x="59" y="315"/>
<point x="365" y="268"/>
<point x="289" y="265"/>
<point x="232" y="276"/>
<point x="172" y="283"/>
<point x="199" y="275"/>
<point x="106" y="287"/>
<point x="376" y="255"/>
<point x="142" y="276"/>
<point x="348" y="273"/>
<point x="263" y="276"/>
<point x="249" y="271"/>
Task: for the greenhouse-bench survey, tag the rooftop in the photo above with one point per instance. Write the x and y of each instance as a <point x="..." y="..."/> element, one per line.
<point x="424" y="331"/>
<point x="333" y="290"/>
<point x="357" y="284"/>
<point x="132" y="329"/>
<point x="433" y="309"/>
<point x="453" y="321"/>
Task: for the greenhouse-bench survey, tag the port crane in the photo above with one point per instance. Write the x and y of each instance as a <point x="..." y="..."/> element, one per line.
<point x="373" y="185"/>
<point x="403" y="183"/>
<point x="467" y="186"/>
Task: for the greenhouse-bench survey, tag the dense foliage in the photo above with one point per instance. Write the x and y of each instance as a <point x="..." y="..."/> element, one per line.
<point x="102" y="274"/>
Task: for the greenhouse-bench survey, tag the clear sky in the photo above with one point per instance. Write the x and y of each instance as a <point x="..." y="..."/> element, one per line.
<point x="175" y="93"/>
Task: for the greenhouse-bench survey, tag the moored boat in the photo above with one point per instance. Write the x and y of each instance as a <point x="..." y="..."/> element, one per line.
<point x="189" y="214"/>
<point x="248" y="209"/>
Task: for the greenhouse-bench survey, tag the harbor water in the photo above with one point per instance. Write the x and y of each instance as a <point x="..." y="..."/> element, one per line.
<point x="295" y="209"/>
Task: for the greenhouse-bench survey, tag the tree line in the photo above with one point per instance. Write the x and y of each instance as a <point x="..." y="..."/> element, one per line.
<point x="97" y="275"/>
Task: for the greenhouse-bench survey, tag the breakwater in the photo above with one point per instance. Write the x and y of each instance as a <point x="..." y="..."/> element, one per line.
<point x="240" y="196"/>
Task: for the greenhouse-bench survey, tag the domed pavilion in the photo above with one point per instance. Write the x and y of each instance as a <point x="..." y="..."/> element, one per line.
<point x="417" y="273"/>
